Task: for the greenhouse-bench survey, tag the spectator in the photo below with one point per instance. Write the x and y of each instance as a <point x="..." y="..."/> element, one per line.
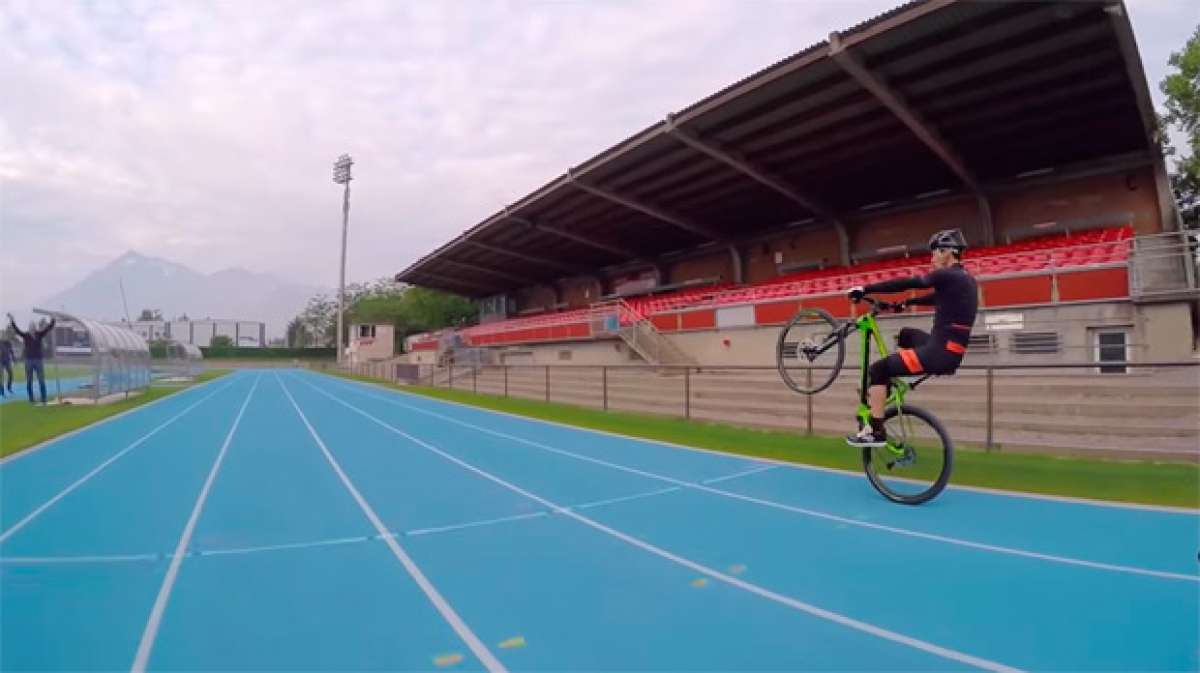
<point x="6" y="360"/>
<point x="32" y="341"/>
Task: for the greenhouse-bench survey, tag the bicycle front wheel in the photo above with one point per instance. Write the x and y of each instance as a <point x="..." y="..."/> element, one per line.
<point x="915" y="465"/>
<point x="810" y="351"/>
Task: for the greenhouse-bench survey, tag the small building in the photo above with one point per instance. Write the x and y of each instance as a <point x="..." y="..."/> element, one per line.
<point x="371" y="342"/>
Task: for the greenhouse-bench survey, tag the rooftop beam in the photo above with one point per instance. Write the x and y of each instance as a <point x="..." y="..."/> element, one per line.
<point x="488" y="270"/>
<point x="746" y="168"/>
<point x="894" y="101"/>
<point x="572" y="236"/>
<point x="448" y="280"/>
<point x="740" y="164"/>
<point x="678" y="221"/>
<point x="546" y="261"/>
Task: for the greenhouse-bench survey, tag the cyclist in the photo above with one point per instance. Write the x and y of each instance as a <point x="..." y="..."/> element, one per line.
<point x="955" y="297"/>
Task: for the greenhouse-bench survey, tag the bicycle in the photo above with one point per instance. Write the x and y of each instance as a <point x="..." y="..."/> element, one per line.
<point x="915" y="464"/>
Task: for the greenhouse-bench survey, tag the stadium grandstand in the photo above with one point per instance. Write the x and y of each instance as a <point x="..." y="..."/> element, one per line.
<point x="1027" y="125"/>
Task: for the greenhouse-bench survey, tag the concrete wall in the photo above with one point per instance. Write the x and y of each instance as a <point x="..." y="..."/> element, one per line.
<point x="606" y="352"/>
<point x="1155" y="332"/>
<point x="792" y="249"/>
<point x="914" y="228"/>
<point x="719" y="263"/>
<point x="1166" y="330"/>
<point x="537" y="297"/>
<point x="1096" y="196"/>
<point x="581" y="292"/>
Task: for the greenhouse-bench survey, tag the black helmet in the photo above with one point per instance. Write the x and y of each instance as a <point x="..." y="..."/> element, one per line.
<point x="948" y="238"/>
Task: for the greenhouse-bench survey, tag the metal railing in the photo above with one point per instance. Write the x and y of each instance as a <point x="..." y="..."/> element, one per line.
<point x="1161" y="264"/>
<point x="705" y="393"/>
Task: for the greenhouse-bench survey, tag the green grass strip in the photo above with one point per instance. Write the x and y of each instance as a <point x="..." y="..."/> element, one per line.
<point x="23" y="425"/>
<point x="1149" y="482"/>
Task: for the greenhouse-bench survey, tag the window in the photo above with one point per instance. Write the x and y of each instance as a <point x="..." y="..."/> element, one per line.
<point x="1112" y="345"/>
<point x="1031" y="343"/>
<point x="365" y="331"/>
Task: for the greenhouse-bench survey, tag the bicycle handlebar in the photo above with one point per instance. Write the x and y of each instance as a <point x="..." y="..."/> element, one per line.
<point x="879" y="305"/>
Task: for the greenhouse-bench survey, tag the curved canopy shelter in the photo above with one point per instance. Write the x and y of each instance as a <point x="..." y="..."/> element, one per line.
<point x="92" y="360"/>
<point x="184" y="360"/>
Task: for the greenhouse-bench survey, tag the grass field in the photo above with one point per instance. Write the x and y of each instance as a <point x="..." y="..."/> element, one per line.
<point x="1158" y="483"/>
<point x="23" y="425"/>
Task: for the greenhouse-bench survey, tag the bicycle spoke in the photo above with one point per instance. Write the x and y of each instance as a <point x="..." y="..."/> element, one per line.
<point x="915" y="461"/>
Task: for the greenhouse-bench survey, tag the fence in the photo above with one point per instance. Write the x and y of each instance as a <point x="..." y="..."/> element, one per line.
<point x="1151" y="412"/>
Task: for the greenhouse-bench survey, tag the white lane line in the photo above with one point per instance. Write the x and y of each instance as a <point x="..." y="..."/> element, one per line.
<point x="440" y="603"/>
<point x="1109" y="504"/>
<point x="474" y="524"/>
<point x="1011" y="551"/>
<point x="237" y="551"/>
<point x="739" y="475"/>
<point x="55" y="560"/>
<point x="164" y="592"/>
<point x="325" y="542"/>
<point x="829" y="615"/>
<point x="624" y="498"/>
<point x="99" y="468"/>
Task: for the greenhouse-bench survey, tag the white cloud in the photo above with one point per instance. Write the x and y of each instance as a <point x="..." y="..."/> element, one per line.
<point x="204" y="132"/>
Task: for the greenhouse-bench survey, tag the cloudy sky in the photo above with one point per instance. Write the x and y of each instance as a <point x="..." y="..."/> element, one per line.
<point x="203" y="132"/>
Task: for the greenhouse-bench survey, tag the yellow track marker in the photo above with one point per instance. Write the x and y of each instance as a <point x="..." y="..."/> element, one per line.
<point x="447" y="659"/>
<point x="700" y="582"/>
<point x="514" y="642"/>
<point x="737" y="569"/>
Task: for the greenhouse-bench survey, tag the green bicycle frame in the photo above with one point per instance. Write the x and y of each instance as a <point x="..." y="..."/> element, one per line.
<point x="869" y="328"/>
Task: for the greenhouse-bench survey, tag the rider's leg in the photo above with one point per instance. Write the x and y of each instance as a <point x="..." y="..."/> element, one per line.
<point x="900" y="363"/>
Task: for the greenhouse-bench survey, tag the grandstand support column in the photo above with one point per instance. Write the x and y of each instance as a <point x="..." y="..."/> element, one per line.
<point x="739" y="273"/>
<point x="986" y="224"/>
<point x="843" y="241"/>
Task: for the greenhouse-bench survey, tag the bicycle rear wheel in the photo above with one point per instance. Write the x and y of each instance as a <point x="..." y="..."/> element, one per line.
<point x="810" y="351"/>
<point x="916" y="463"/>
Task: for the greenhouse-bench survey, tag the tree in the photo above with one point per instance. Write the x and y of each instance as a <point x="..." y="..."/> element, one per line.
<point x="1182" y="90"/>
<point x="383" y="301"/>
<point x="297" y="333"/>
<point x="150" y="314"/>
<point x="221" y="341"/>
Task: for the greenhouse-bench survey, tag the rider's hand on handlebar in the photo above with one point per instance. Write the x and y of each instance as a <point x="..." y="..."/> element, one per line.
<point x="856" y="294"/>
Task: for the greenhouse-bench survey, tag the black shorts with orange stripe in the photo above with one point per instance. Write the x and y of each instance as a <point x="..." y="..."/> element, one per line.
<point x="929" y="357"/>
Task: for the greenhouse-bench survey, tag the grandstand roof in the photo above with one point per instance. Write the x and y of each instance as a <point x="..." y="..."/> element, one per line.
<point x="933" y="98"/>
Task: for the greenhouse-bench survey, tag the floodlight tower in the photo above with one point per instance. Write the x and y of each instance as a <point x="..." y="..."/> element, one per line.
<point x="341" y="175"/>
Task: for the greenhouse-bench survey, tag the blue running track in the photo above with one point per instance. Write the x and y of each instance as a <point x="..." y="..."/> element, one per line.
<point x="274" y="520"/>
